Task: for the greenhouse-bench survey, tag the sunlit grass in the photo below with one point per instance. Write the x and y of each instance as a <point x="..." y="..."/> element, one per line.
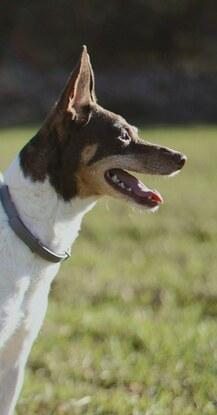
<point x="132" y="321"/>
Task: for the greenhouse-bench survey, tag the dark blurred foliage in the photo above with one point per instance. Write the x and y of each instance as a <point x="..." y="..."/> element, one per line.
<point x="122" y="36"/>
<point x="127" y="32"/>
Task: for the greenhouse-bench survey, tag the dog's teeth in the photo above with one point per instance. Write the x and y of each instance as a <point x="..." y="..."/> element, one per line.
<point x="116" y="180"/>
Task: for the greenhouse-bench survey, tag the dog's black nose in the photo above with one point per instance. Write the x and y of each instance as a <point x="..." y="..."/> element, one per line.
<point x="180" y="159"/>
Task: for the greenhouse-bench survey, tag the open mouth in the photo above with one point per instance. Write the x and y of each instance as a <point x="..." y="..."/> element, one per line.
<point x="134" y="189"/>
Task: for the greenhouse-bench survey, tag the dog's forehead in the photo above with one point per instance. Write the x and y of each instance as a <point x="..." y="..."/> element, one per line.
<point x="110" y="125"/>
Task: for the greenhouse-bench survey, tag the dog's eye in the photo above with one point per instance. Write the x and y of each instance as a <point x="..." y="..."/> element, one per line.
<point x="124" y="137"/>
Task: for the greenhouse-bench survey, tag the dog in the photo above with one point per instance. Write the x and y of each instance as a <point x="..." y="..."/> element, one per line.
<point x="81" y="152"/>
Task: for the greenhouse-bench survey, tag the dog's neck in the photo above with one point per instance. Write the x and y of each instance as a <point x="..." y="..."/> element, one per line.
<point x="55" y="222"/>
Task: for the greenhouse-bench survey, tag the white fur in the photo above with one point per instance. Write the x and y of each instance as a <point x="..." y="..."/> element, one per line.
<point x="25" y="278"/>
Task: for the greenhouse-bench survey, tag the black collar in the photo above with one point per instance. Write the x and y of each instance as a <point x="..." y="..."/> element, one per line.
<point x="34" y="244"/>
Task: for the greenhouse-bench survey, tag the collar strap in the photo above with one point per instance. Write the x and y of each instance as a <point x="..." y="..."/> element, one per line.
<point x="34" y="244"/>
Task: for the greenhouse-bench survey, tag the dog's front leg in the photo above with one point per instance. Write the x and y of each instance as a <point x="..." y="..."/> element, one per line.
<point x="15" y="352"/>
<point x="12" y="363"/>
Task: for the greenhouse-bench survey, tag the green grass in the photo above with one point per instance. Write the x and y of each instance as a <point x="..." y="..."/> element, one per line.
<point x="131" y="327"/>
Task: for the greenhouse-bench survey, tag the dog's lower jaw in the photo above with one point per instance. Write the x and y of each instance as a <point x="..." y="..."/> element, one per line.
<point x="25" y="278"/>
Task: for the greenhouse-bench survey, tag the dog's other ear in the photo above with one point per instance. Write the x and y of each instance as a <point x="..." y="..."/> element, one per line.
<point x="79" y="91"/>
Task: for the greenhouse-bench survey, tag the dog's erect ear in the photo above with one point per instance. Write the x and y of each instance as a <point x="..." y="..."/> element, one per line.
<point x="79" y="92"/>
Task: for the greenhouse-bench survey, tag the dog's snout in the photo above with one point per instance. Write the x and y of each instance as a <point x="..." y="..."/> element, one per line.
<point x="180" y="159"/>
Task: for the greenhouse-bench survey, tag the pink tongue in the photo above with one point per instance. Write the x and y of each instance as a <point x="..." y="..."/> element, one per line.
<point x="137" y="186"/>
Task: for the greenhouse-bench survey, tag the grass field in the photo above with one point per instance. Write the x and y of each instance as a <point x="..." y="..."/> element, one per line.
<point x="131" y="327"/>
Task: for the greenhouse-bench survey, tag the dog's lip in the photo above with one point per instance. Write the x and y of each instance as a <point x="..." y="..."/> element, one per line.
<point x="134" y="189"/>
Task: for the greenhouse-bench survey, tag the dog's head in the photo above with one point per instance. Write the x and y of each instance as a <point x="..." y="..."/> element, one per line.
<point x="85" y="150"/>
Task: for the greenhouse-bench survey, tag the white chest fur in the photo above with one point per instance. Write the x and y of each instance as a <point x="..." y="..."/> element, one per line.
<point x="24" y="277"/>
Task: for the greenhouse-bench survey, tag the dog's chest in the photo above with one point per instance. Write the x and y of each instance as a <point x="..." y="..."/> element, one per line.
<point x="24" y="287"/>
<point x="34" y="305"/>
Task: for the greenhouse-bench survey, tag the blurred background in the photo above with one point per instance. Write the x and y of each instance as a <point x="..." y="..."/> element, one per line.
<point x="131" y="327"/>
<point x="154" y="60"/>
